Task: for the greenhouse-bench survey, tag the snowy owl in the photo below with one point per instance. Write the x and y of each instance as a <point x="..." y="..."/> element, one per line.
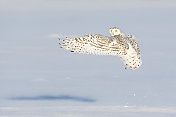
<point x="126" y="47"/>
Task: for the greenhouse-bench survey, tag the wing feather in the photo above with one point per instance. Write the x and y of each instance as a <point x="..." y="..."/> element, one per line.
<point x="123" y="47"/>
<point x="94" y="44"/>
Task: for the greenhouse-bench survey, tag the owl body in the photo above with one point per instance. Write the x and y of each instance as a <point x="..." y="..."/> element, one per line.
<point x="117" y="45"/>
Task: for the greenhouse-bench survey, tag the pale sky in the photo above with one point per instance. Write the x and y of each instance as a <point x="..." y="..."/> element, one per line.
<point x="33" y="5"/>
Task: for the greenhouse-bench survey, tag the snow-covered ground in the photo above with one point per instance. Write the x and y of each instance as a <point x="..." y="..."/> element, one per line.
<point x="88" y="97"/>
<point x="87" y="111"/>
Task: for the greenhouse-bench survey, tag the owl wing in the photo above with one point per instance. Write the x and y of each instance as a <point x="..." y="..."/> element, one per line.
<point x="134" y="43"/>
<point x="132" y="59"/>
<point x="102" y="45"/>
<point x="94" y="44"/>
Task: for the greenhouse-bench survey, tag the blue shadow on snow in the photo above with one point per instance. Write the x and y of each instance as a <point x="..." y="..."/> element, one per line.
<point x="61" y="97"/>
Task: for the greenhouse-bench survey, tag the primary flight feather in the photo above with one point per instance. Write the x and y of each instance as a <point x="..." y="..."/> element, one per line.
<point x="126" y="47"/>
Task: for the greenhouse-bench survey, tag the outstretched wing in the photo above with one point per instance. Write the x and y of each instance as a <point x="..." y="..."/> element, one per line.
<point x="102" y="45"/>
<point x="94" y="44"/>
<point x="132" y="59"/>
<point x="134" y="43"/>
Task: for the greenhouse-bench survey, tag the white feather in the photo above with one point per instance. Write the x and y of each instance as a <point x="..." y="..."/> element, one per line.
<point x="119" y="45"/>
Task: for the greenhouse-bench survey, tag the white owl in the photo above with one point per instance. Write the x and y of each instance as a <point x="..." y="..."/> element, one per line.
<point x="118" y="44"/>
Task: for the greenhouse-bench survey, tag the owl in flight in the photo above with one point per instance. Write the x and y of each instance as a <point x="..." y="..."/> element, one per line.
<point x="118" y="44"/>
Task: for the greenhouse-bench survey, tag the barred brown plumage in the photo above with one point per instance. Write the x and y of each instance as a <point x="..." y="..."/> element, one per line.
<point x="118" y="44"/>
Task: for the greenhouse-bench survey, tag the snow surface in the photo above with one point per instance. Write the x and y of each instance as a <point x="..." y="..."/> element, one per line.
<point x="86" y="111"/>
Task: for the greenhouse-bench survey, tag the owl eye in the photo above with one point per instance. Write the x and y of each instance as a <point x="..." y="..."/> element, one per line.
<point x="115" y="30"/>
<point x="111" y="30"/>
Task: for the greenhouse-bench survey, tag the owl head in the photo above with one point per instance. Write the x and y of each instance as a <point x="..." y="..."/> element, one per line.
<point x="114" y="31"/>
